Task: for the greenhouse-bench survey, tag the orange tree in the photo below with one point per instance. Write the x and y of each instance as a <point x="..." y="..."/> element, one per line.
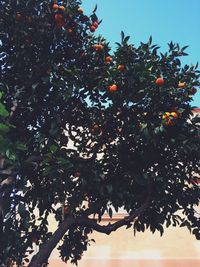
<point x="85" y="132"/>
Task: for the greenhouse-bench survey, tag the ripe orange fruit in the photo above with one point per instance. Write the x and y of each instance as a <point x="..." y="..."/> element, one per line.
<point x="159" y="81"/>
<point x="108" y="59"/>
<point x="55" y="7"/>
<point x="181" y="84"/>
<point x="112" y="88"/>
<point x="194" y="90"/>
<point x="166" y="115"/>
<point x="62" y="8"/>
<point x="58" y="17"/>
<point x="80" y="10"/>
<point x="174" y="115"/>
<point x="92" y="28"/>
<point x="70" y="30"/>
<point x="170" y="123"/>
<point x="121" y="67"/>
<point x="95" y="24"/>
<point x="98" y="47"/>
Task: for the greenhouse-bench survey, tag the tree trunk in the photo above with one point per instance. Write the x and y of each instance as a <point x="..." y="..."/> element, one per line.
<point x="45" y="250"/>
<point x="41" y="258"/>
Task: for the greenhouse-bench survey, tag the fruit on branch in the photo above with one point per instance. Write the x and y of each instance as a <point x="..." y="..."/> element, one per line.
<point x="62" y="8"/>
<point x="80" y="10"/>
<point x="160" y="81"/>
<point x="98" y="47"/>
<point x="121" y="67"/>
<point x="108" y="59"/>
<point x="181" y="84"/>
<point x="112" y="88"/>
<point x="92" y="28"/>
<point x="95" y="24"/>
<point x="55" y="7"/>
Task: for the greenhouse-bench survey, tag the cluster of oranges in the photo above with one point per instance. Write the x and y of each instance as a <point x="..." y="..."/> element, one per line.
<point x="170" y="118"/>
<point x="182" y="85"/>
<point x="94" y="26"/>
<point x="98" y="48"/>
<point x="113" y="88"/>
<point x="59" y="19"/>
<point x="56" y="7"/>
<point x="160" y="81"/>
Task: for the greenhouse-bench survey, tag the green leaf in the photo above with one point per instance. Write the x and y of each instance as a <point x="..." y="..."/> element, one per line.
<point x="3" y="111"/>
<point x="10" y="155"/>
<point x="95" y="8"/>
<point x="64" y="162"/>
<point x="4" y="128"/>
<point x="150" y="40"/>
<point x="21" y="146"/>
<point x="126" y="39"/>
<point x="109" y="188"/>
<point x="160" y="229"/>
<point x="110" y="212"/>
<point x="35" y="85"/>
<point x="21" y="208"/>
<point x="53" y="148"/>
<point x="122" y="36"/>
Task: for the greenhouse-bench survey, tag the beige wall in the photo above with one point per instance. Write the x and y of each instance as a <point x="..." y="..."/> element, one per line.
<point x="175" y="248"/>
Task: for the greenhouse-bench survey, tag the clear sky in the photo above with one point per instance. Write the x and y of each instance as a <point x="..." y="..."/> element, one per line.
<point x="165" y="20"/>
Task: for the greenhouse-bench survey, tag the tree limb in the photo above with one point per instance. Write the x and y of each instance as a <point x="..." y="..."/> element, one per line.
<point x="42" y="256"/>
<point x="107" y="229"/>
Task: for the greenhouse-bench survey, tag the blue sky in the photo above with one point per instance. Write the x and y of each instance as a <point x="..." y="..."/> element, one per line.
<point x="165" y="20"/>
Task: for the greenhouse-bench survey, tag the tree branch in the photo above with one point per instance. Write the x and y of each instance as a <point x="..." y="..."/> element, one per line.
<point x="42" y="256"/>
<point x="107" y="229"/>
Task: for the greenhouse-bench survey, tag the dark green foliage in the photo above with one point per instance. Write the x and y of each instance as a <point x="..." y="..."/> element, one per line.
<point x="67" y="141"/>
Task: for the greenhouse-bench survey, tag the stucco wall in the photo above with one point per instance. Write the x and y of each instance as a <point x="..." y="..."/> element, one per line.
<point x="175" y="248"/>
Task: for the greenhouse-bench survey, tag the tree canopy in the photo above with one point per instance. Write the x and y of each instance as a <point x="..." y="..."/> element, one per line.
<point x="86" y="130"/>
